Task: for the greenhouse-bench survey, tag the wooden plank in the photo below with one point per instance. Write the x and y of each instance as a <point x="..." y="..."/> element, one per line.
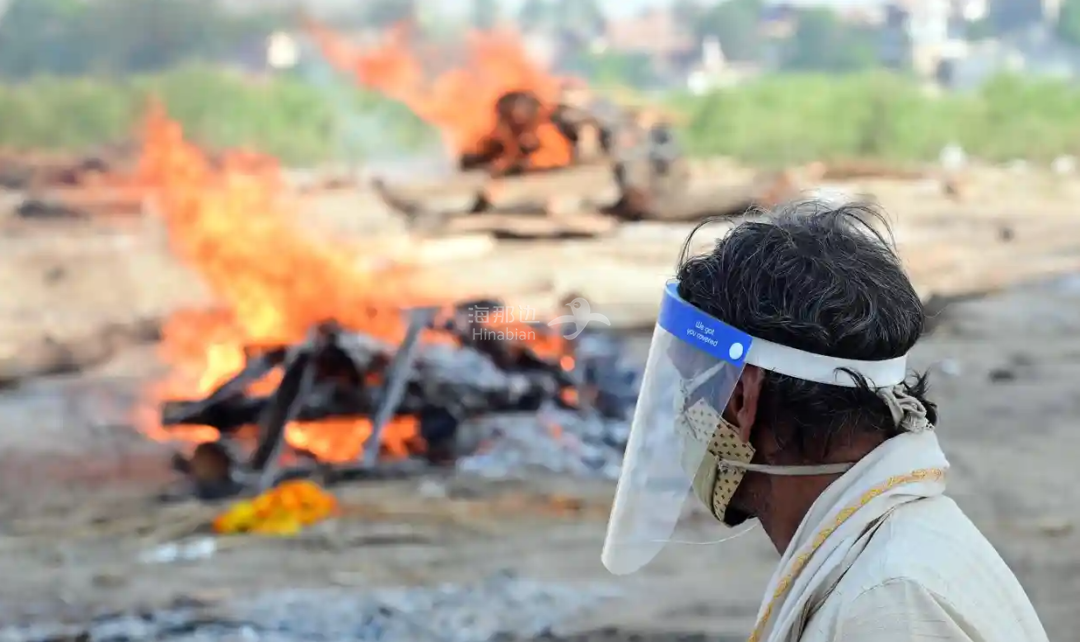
<point x="590" y="185"/>
<point x="506" y="225"/>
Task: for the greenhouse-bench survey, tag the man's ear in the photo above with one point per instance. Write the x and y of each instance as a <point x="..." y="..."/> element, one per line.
<point x="743" y="407"/>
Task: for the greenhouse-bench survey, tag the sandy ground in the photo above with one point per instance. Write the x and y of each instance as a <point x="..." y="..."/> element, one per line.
<point x="79" y="489"/>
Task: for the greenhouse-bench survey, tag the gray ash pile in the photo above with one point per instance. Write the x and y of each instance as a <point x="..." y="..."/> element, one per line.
<point x="502" y="608"/>
<point x="493" y="397"/>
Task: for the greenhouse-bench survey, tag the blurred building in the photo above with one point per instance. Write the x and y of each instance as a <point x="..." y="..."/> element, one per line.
<point x="927" y="36"/>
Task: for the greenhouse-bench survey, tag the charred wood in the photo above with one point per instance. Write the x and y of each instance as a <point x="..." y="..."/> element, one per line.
<point x="444" y="386"/>
<point x="281" y="409"/>
<point x="211" y="470"/>
<point x="519" y="391"/>
<point x="508" y="148"/>
<point x="39" y="210"/>
<point x="396" y="381"/>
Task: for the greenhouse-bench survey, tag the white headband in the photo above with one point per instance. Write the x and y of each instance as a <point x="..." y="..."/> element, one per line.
<point x="800" y="364"/>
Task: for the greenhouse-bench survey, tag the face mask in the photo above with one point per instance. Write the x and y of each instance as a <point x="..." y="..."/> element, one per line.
<point x="710" y="446"/>
<point x="716" y="456"/>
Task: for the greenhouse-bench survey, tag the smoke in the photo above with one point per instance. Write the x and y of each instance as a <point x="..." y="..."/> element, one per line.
<point x="370" y="136"/>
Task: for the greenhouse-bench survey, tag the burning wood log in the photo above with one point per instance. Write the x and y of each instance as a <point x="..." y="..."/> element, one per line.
<point x="339" y="375"/>
<point x="634" y="171"/>
<point x="510" y="148"/>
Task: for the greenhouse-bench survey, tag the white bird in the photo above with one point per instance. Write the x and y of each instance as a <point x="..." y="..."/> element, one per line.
<point x="581" y="315"/>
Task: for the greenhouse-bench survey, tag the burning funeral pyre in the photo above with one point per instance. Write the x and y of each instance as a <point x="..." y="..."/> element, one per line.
<point x="506" y="116"/>
<point x="319" y="367"/>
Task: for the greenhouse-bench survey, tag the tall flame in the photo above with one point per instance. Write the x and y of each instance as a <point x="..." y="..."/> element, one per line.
<point x="274" y="283"/>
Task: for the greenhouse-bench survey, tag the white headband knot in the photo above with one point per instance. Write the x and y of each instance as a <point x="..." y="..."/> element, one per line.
<point x="908" y="413"/>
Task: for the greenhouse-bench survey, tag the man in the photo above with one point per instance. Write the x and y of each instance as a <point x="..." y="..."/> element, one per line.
<point x="777" y="390"/>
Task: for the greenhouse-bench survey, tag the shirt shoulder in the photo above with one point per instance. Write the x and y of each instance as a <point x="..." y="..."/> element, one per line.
<point x="928" y="573"/>
<point x="902" y="609"/>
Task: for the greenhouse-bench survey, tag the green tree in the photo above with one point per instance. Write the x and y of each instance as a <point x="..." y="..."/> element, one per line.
<point x="822" y="43"/>
<point x="1068" y="25"/>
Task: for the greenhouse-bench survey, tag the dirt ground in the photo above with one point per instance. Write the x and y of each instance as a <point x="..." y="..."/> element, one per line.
<point x="80" y="510"/>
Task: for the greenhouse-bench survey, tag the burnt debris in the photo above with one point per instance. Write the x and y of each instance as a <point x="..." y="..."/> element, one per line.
<point x="473" y="374"/>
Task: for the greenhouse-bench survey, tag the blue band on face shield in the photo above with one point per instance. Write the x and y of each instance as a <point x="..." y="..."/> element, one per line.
<point x="701" y="331"/>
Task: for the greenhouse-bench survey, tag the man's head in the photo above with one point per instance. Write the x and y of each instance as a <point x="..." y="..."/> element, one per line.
<point x="822" y="279"/>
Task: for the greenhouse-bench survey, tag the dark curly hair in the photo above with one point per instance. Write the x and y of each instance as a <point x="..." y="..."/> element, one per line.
<point x="821" y="278"/>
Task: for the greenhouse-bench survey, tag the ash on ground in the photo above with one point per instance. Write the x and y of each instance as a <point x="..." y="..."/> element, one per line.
<point x="564" y="442"/>
<point x="502" y="608"/>
<point x="588" y="442"/>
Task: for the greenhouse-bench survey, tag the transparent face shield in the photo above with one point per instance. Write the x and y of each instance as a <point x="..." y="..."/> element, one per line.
<point x="683" y="461"/>
<point x="694" y="363"/>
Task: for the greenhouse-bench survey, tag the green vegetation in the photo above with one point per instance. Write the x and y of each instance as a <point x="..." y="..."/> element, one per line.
<point x="799" y="118"/>
<point x="287" y="117"/>
<point x="776" y="120"/>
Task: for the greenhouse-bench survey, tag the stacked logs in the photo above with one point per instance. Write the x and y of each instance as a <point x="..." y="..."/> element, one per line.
<point x="625" y="165"/>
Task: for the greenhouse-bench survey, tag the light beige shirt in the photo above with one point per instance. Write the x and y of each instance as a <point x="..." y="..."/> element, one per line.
<point x="927" y="574"/>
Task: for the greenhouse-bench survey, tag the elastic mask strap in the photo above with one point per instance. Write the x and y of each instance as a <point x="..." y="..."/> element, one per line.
<point x="789" y="471"/>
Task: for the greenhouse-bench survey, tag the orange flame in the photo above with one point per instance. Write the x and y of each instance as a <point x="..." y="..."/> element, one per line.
<point x="459" y="102"/>
<point x="229" y="223"/>
<point x="274" y="283"/>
